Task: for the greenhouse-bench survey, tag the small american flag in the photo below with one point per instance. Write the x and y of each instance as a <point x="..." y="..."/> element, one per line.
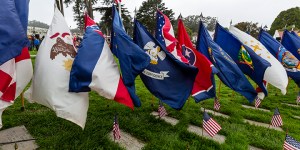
<point x="257" y="102"/>
<point x="276" y="119"/>
<point x="290" y="143"/>
<point x="210" y="125"/>
<point x="217" y="104"/>
<point x="298" y="98"/>
<point x="116" y="129"/>
<point x="118" y="1"/>
<point x="161" y="110"/>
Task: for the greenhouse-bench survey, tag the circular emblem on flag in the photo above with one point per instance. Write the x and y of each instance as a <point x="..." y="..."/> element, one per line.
<point x="189" y="55"/>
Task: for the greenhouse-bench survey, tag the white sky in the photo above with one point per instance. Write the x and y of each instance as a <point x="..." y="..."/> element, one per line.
<point x="262" y="11"/>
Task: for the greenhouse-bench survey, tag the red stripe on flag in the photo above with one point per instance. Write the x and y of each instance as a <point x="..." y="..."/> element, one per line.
<point x="24" y="55"/>
<point x="4" y="81"/>
<point x="9" y="94"/>
<point x="122" y="96"/>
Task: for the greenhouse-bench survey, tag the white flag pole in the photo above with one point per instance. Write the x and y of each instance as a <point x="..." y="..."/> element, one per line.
<point x="120" y="13"/>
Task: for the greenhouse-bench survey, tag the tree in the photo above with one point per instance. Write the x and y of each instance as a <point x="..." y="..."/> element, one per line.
<point x="106" y="19"/>
<point x="287" y="18"/>
<point x="39" y="24"/>
<point x="192" y="22"/>
<point x="249" y="27"/>
<point x="147" y="13"/>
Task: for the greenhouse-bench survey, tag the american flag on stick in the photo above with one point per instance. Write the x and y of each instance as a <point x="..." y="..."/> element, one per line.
<point x="210" y="125"/>
<point x="161" y="110"/>
<point x="298" y="98"/>
<point x="276" y="119"/>
<point x="290" y="143"/>
<point x="217" y="104"/>
<point x="257" y="102"/>
<point x="116" y="129"/>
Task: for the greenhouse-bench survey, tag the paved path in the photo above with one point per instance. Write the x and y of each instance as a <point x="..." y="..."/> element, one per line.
<point x="262" y="124"/>
<point x="215" y="113"/>
<point x="167" y="119"/>
<point x="127" y="141"/>
<point x="197" y="130"/>
<point x="251" y="107"/>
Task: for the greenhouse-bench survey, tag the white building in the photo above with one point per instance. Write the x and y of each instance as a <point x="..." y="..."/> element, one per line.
<point x="36" y="30"/>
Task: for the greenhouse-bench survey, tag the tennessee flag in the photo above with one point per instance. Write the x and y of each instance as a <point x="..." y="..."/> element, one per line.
<point x="204" y="83"/>
<point x="94" y="68"/>
<point x="50" y="83"/>
<point x="165" y="35"/>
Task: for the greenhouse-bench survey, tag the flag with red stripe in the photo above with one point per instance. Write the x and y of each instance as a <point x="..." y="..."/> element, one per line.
<point x="116" y="129"/>
<point x="210" y="125"/>
<point x="118" y="1"/>
<point x="290" y="143"/>
<point x="161" y="110"/>
<point x="257" y="102"/>
<point x="298" y="98"/>
<point x="217" y="104"/>
<point x="276" y="119"/>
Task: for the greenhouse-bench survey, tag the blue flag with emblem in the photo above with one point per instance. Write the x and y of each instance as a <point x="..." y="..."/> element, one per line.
<point x="291" y="43"/>
<point x="166" y="77"/>
<point x="12" y="34"/>
<point x="229" y="72"/>
<point x="133" y="60"/>
<point x="286" y="58"/>
<point x="248" y="61"/>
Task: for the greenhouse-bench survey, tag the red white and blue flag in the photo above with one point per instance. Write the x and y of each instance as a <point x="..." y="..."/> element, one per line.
<point x="217" y="104"/>
<point x="298" y="98"/>
<point x="118" y="1"/>
<point x="257" y="102"/>
<point x="210" y="125"/>
<point x="276" y="119"/>
<point x="165" y="35"/>
<point x="116" y="129"/>
<point x="161" y="110"/>
<point x="290" y="143"/>
<point x="94" y="68"/>
<point x="204" y="83"/>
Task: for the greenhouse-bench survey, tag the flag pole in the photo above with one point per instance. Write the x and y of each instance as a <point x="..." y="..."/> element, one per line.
<point x="202" y="122"/>
<point x="220" y="83"/>
<point x="23" y="103"/>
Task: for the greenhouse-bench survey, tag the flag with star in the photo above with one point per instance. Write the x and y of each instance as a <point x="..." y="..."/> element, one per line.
<point x="276" y="119"/>
<point x="274" y="74"/>
<point x="167" y="78"/>
<point x="285" y="57"/>
<point x="116" y="129"/>
<point x="229" y="72"/>
<point x="257" y="102"/>
<point x="165" y="35"/>
<point x="204" y="86"/>
<point x="291" y="43"/>
<point x="290" y="143"/>
<point x="133" y="60"/>
<point x="247" y="60"/>
<point x="161" y="110"/>
<point x="210" y="125"/>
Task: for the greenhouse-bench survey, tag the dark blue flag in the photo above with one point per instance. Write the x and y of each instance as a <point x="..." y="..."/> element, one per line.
<point x="166" y="77"/>
<point x="133" y="60"/>
<point x="295" y="34"/>
<point x="291" y="43"/>
<point x="248" y="61"/>
<point x="286" y="58"/>
<point x="229" y="72"/>
<point x="13" y="37"/>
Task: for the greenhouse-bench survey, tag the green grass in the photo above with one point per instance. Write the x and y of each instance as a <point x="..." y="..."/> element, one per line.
<point x="52" y="132"/>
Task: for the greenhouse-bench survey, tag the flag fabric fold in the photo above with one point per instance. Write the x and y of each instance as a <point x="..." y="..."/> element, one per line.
<point x="275" y="74"/>
<point x="248" y="61"/>
<point x="229" y="72"/>
<point x="13" y="36"/>
<point x="94" y="68"/>
<point x="167" y="78"/>
<point x="50" y="82"/>
<point x="204" y="87"/>
<point x="291" y="43"/>
<point x="165" y="35"/>
<point x="133" y="60"/>
<point x="285" y="57"/>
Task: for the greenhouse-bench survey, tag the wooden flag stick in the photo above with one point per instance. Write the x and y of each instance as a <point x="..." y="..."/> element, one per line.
<point x="220" y="83"/>
<point x="23" y="102"/>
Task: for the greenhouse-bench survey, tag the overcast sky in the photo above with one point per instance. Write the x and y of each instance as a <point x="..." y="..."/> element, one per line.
<point x="262" y="11"/>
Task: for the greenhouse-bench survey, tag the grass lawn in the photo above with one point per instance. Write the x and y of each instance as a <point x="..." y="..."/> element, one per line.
<point x="52" y="132"/>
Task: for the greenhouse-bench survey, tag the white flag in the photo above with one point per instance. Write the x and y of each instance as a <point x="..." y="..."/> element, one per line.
<point x="275" y="74"/>
<point x="50" y="83"/>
